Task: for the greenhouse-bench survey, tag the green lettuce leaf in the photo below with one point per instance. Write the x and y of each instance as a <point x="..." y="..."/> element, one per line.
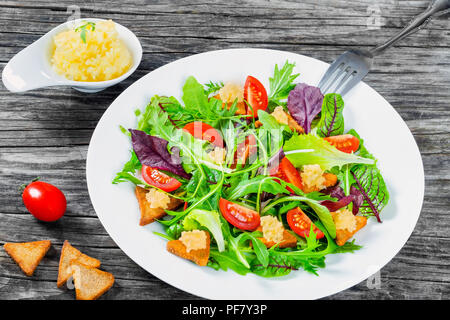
<point x="208" y="219"/>
<point x="309" y="149"/>
<point x="256" y="185"/>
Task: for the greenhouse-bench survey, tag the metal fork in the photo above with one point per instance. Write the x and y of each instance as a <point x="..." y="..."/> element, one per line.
<point x="353" y="65"/>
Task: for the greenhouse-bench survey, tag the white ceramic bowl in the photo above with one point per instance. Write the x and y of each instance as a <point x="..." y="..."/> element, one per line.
<point x="31" y="69"/>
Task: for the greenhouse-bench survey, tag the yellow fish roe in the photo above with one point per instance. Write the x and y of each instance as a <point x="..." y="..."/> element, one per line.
<point x="103" y="57"/>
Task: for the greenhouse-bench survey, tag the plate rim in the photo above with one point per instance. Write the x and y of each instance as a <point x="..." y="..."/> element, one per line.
<point x="400" y="244"/>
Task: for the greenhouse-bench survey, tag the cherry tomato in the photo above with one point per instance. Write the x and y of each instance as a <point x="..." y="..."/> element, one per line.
<point x="300" y="223"/>
<point x="239" y="216"/>
<point x="156" y="178"/>
<point x="204" y="131"/>
<point x="255" y="94"/>
<point x="244" y="150"/>
<point x="287" y="172"/>
<point x="44" y="201"/>
<point x="345" y="143"/>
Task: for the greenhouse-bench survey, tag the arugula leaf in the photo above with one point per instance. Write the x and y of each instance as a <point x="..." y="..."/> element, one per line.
<point x="331" y="121"/>
<point x="350" y="247"/>
<point x="208" y="219"/>
<point x="226" y="260"/>
<point x="310" y="149"/>
<point x="202" y="108"/>
<point x="128" y="169"/>
<point x="255" y="185"/>
<point x="281" y="84"/>
<point x="213" y="87"/>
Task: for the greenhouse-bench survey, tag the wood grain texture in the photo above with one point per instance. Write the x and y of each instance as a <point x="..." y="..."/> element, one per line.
<point x="46" y="132"/>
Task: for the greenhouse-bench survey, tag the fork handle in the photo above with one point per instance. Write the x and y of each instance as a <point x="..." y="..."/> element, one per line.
<point x="435" y="8"/>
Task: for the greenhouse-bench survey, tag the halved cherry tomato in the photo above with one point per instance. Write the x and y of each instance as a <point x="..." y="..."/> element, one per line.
<point x="255" y="94"/>
<point x="204" y="131"/>
<point x="300" y="223"/>
<point x="244" y="150"/>
<point x="239" y="216"/>
<point x="156" y="178"/>
<point x="44" y="201"/>
<point x="345" y="142"/>
<point x="287" y="172"/>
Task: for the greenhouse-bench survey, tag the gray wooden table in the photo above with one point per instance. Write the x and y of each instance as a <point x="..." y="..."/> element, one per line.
<point x="46" y="132"/>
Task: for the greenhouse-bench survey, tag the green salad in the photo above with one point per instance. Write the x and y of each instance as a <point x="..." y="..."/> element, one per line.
<point x="253" y="180"/>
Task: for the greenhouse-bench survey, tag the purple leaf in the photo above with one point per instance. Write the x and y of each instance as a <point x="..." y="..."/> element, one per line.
<point x="152" y="151"/>
<point x="358" y="199"/>
<point x="304" y="104"/>
<point x="337" y="192"/>
<point x="336" y="205"/>
<point x="334" y="191"/>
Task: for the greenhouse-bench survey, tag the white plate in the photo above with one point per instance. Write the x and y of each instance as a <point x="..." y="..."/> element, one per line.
<point x="385" y="135"/>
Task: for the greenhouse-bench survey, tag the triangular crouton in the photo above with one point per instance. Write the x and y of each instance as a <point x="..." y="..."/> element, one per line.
<point x="342" y="235"/>
<point x="149" y="215"/>
<point x="90" y="283"/>
<point x="69" y="253"/>
<point x="28" y="254"/>
<point x="199" y="256"/>
<point x="289" y="240"/>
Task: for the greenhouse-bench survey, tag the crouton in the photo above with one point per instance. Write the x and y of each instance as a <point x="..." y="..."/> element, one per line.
<point x="27" y="255"/>
<point x="148" y="214"/>
<point x="289" y="240"/>
<point x="199" y="256"/>
<point x="241" y="106"/>
<point x="294" y="125"/>
<point x="330" y="179"/>
<point x="343" y="235"/>
<point x="90" y="283"/>
<point x="68" y="254"/>
<point x="291" y="123"/>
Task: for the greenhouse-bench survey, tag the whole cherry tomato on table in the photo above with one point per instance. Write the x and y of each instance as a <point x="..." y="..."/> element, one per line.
<point x="44" y="201"/>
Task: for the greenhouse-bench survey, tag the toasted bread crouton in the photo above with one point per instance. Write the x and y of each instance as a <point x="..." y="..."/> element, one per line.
<point x="27" y="255"/>
<point x="90" y="283"/>
<point x="148" y="214"/>
<point x="343" y="235"/>
<point x="289" y="240"/>
<point x="199" y="256"/>
<point x="241" y="107"/>
<point x="294" y="125"/>
<point x="330" y="180"/>
<point x="68" y="254"/>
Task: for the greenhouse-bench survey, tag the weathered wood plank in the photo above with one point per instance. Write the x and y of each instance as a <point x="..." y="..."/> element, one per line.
<point x="46" y="132"/>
